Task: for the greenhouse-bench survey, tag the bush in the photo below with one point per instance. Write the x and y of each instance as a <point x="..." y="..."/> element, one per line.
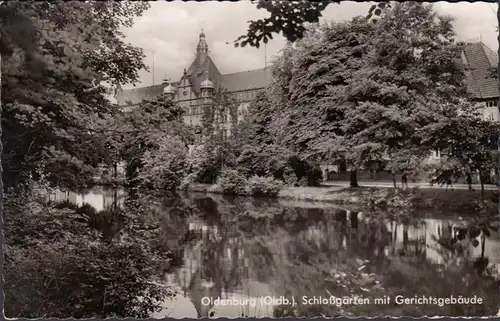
<point x="280" y="163"/>
<point x="204" y="164"/>
<point x="164" y="168"/>
<point x="253" y="161"/>
<point x="57" y="265"/>
<point x="264" y="186"/>
<point x="307" y="174"/>
<point x="232" y="182"/>
<point x="187" y="181"/>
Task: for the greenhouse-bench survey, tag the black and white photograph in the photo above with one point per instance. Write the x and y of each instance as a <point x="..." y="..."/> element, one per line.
<point x="249" y="159"/>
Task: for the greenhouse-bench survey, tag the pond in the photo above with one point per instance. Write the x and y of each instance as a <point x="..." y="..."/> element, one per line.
<point x="254" y="254"/>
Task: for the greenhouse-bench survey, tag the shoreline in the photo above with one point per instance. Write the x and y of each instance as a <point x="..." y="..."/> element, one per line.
<point x="426" y="198"/>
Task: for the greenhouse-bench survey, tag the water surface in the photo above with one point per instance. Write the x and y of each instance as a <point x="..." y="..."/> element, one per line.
<point x="247" y="249"/>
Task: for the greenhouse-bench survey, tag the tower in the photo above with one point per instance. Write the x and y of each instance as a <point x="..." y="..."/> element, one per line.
<point x="169" y="90"/>
<point x="207" y="89"/>
<point x="202" y="49"/>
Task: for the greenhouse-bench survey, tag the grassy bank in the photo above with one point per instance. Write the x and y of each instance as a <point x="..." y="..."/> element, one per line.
<point x="440" y="200"/>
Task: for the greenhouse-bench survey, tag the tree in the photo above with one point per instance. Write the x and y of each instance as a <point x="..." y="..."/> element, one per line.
<point x="148" y="128"/>
<point x="256" y="125"/>
<point x="466" y="142"/>
<point x="323" y="63"/>
<point x="164" y="168"/>
<point x="55" y="58"/>
<point x="412" y="80"/>
<point x="290" y="19"/>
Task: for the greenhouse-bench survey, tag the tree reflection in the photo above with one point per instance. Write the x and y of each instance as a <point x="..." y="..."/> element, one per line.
<point x="249" y="247"/>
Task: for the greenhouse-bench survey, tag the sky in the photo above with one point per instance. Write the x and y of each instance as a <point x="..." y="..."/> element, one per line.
<point x="169" y="31"/>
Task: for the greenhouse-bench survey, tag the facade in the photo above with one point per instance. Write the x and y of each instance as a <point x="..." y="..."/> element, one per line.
<point x="198" y="87"/>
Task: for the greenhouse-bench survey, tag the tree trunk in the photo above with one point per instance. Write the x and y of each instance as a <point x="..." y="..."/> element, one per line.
<point x="353" y="178"/>
<point x="481" y="180"/>
<point x="483" y="244"/>
<point x="115" y="170"/>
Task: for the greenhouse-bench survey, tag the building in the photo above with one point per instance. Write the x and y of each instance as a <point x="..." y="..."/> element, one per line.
<point x="198" y="87"/>
<point x="201" y="82"/>
<point x="480" y="70"/>
<point x="481" y="63"/>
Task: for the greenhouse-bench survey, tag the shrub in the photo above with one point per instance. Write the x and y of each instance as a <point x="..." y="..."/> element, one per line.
<point x="253" y="161"/>
<point x="307" y="173"/>
<point x="187" y="181"/>
<point x="58" y="266"/>
<point x="264" y="186"/>
<point x="204" y="164"/>
<point x="164" y="168"/>
<point x="232" y="182"/>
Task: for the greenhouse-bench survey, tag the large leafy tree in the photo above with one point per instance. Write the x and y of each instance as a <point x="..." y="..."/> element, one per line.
<point x="413" y="79"/>
<point x="322" y="65"/>
<point x="56" y="55"/>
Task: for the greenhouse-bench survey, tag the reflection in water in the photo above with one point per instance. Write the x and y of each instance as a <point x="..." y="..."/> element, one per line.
<point x="99" y="197"/>
<point x="247" y="249"/>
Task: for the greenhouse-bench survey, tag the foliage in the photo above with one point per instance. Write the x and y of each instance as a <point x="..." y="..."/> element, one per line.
<point x="164" y="168"/>
<point x="290" y="18"/>
<point x="279" y="163"/>
<point x="253" y="161"/>
<point x="206" y="160"/>
<point x="361" y="93"/>
<point x="263" y="186"/>
<point x="223" y="105"/>
<point x="231" y="182"/>
<point x="61" y="262"/>
<point x="467" y="145"/>
<point x="55" y="58"/>
<point x="152" y="126"/>
<point x="309" y="85"/>
<point x="255" y="128"/>
<point x="412" y="80"/>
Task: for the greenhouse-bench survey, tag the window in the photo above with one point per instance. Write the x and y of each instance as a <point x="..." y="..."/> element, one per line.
<point x="491" y="116"/>
<point x="184" y="93"/>
<point x="436" y="153"/>
<point x="492" y="103"/>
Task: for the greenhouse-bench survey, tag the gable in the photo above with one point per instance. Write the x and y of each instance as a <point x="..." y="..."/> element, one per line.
<point x="197" y="72"/>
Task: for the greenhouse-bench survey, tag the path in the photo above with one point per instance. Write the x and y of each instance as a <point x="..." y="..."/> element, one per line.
<point x="390" y="184"/>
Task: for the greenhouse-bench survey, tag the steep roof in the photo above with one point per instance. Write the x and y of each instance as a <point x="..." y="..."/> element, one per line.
<point x="197" y="72"/>
<point x="246" y="80"/>
<point x="480" y="62"/>
<point x="136" y="95"/>
<point x="240" y="81"/>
